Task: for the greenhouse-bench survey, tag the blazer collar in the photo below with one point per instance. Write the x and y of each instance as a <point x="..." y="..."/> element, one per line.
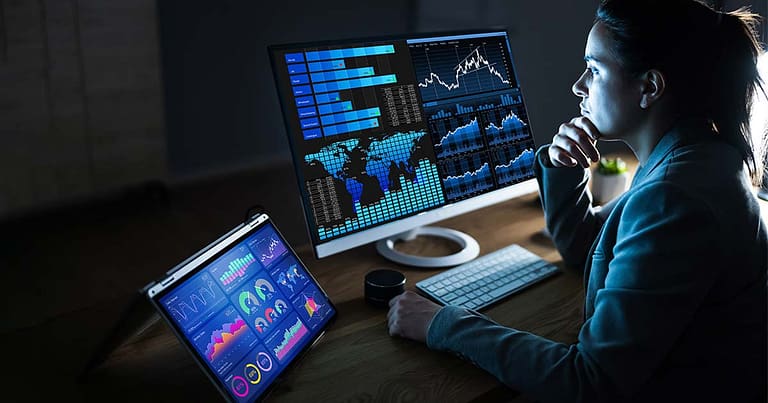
<point x="680" y="134"/>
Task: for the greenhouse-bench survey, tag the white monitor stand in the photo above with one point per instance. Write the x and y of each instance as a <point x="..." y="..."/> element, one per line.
<point x="469" y="248"/>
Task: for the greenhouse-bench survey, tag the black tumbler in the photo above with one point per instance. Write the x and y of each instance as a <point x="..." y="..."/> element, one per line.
<point x="383" y="284"/>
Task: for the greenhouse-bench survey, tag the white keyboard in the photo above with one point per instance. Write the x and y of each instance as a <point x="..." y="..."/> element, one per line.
<point x="488" y="279"/>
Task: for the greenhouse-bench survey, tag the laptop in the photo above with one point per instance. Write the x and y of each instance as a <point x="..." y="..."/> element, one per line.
<point x="245" y="307"/>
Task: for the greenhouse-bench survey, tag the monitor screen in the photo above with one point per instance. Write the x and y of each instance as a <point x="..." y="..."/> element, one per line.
<point x="384" y="130"/>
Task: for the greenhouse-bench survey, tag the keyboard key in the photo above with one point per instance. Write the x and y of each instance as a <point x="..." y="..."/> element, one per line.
<point x="459" y="301"/>
<point x="440" y="292"/>
<point x="501" y="291"/>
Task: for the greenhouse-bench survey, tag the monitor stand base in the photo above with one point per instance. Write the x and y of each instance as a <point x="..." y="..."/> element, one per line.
<point x="469" y="248"/>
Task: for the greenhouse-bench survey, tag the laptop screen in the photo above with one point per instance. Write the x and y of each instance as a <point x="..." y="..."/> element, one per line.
<point x="247" y="312"/>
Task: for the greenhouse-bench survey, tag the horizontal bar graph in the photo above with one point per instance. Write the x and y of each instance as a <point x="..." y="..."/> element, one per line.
<point x="323" y="66"/>
<point x="342" y="74"/>
<point x="335" y="107"/>
<point x="349" y="52"/>
<point x="323" y="84"/>
<point x="350" y="127"/>
<point x="355" y="83"/>
<point x="349" y="116"/>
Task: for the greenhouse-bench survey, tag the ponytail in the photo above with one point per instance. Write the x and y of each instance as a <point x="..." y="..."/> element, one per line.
<point x="739" y="82"/>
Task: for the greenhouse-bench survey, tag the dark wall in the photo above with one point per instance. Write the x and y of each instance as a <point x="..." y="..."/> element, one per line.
<point x="222" y="107"/>
<point x="81" y="101"/>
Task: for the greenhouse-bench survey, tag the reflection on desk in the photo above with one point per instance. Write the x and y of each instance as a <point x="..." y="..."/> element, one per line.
<point x="357" y="360"/>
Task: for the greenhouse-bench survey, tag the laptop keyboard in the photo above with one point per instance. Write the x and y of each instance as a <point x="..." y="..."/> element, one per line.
<point x="488" y="279"/>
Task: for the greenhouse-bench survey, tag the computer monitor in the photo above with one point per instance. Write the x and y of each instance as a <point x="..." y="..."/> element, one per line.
<point x="391" y="134"/>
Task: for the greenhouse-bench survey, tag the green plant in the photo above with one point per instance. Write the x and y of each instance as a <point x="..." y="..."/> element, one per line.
<point x="611" y="166"/>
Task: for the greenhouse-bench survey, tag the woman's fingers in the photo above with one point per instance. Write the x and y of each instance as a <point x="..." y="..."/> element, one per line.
<point x="575" y="144"/>
<point x="568" y="142"/>
<point x="560" y="158"/>
<point x="590" y="148"/>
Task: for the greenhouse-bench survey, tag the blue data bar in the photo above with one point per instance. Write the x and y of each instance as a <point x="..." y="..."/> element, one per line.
<point x="309" y="123"/>
<point x="299" y="79"/>
<point x="355" y="83"/>
<point x="325" y="98"/>
<point x="312" y="134"/>
<point x="350" y="127"/>
<point x="342" y="74"/>
<point x="294" y="58"/>
<point x="305" y="101"/>
<point x="307" y="112"/>
<point x="323" y="66"/>
<point x="297" y="68"/>
<point x="302" y="90"/>
<point x="348" y="116"/>
<point x="335" y="108"/>
<point x="350" y="52"/>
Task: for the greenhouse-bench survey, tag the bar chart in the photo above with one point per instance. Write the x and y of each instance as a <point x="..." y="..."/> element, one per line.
<point x="234" y="267"/>
<point x="324" y="84"/>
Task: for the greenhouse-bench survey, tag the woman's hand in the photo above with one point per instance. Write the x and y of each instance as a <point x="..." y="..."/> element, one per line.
<point x="575" y="144"/>
<point x="410" y="315"/>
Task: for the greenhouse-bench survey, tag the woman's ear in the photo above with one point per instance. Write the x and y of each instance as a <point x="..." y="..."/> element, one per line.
<point x="653" y="87"/>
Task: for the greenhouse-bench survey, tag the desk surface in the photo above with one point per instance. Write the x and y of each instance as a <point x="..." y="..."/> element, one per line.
<point x="357" y="360"/>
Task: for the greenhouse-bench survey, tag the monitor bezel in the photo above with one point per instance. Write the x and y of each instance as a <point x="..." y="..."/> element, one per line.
<point x="378" y="232"/>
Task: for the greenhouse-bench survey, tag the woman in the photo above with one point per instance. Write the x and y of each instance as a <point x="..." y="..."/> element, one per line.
<point x="676" y="300"/>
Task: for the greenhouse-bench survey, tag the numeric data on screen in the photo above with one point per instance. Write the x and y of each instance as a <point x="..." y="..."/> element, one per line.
<point x="382" y="130"/>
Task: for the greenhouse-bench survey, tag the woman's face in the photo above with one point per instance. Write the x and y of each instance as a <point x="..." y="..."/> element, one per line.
<point x="610" y="98"/>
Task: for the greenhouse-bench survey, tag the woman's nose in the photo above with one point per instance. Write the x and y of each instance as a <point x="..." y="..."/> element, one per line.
<point x="578" y="88"/>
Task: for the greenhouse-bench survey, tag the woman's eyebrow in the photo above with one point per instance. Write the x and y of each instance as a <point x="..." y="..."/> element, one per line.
<point x="590" y="58"/>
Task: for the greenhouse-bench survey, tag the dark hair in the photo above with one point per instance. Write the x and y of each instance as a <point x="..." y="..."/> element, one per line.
<point x="709" y="59"/>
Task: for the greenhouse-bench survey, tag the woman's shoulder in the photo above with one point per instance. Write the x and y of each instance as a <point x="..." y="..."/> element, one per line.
<point x="664" y="197"/>
<point x="711" y="172"/>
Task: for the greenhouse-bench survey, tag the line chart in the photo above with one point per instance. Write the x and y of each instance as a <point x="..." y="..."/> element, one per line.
<point x="458" y="68"/>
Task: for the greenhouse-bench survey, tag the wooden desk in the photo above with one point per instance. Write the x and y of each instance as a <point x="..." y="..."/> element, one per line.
<point x="357" y="360"/>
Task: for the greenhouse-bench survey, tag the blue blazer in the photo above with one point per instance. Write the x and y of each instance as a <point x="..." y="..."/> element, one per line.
<point x="676" y="306"/>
